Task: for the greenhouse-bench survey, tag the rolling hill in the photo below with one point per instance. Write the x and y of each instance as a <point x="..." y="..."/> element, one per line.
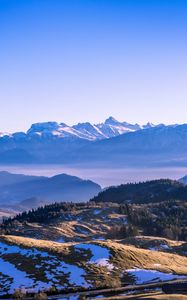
<point x="50" y="266"/>
<point x="80" y="248"/>
<point x="144" y="192"/>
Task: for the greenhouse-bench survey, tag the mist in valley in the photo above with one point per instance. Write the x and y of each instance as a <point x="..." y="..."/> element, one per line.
<point x="103" y="176"/>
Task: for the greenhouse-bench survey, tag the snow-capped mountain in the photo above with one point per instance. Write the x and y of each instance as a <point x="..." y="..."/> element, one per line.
<point x="49" y="129"/>
<point x="105" y="143"/>
<point x="110" y="128"/>
<point x="92" y="132"/>
<point x="56" y="141"/>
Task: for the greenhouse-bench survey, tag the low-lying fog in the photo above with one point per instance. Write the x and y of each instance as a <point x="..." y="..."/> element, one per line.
<point x="104" y="176"/>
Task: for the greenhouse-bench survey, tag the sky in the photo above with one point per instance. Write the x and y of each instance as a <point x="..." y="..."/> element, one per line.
<point x="83" y="60"/>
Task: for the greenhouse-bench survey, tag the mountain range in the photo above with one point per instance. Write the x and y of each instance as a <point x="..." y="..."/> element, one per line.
<point x="23" y="191"/>
<point x="86" y="131"/>
<point x="109" y="143"/>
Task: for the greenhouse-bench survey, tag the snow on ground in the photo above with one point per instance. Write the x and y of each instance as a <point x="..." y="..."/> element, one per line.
<point x="160" y="247"/>
<point x="164" y="246"/>
<point x="100" y="255"/>
<point x="51" y="266"/>
<point x="20" y="279"/>
<point x="97" y="211"/>
<point x="61" y="240"/>
<point x="145" y="276"/>
<point x="99" y="238"/>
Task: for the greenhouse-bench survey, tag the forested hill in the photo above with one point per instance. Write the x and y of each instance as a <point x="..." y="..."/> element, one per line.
<point x="144" y="192"/>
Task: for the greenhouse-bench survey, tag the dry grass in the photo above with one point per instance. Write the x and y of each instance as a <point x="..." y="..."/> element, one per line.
<point x="93" y="224"/>
<point x="34" y="243"/>
<point x="123" y="256"/>
<point x="165" y="297"/>
<point x="151" y="241"/>
<point x="157" y="243"/>
<point x="126" y="257"/>
<point x="149" y="296"/>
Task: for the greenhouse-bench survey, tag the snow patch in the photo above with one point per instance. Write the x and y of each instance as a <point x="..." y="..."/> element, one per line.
<point x="97" y="211"/>
<point x="100" y="255"/>
<point x="144" y="276"/>
<point x="54" y="268"/>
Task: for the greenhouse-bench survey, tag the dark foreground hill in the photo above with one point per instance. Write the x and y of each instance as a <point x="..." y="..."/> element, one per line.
<point x="144" y="192"/>
<point x="15" y="188"/>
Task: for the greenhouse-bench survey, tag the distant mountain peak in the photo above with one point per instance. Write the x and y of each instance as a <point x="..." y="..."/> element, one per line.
<point x="148" y="125"/>
<point x="112" y="121"/>
<point x="43" y="126"/>
<point x="111" y="127"/>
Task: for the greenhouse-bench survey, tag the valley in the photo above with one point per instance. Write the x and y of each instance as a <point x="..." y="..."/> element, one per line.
<point x="125" y="240"/>
<point x="104" y="176"/>
<point x="98" y="248"/>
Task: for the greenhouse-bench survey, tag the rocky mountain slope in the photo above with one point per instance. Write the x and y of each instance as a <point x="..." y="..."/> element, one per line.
<point x="183" y="180"/>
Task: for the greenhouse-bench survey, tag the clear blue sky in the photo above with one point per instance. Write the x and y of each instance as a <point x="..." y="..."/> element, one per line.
<point x="79" y="60"/>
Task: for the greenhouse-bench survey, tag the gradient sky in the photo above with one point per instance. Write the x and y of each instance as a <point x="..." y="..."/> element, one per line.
<point x="83" y="60"/>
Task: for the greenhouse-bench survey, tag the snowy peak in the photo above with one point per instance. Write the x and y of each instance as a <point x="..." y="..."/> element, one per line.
<point x="91" y="131"/>
<point x="112" y="121"/>
<point x="113" y="127"/>
<point x="54" y="129"/>
<point x="86" y="131"/>
<point x="110" y="128"/>
<point x="148" y="125"/>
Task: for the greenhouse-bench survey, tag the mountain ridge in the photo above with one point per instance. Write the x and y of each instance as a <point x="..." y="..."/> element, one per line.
<point x="16" y="188"/>
<point x="86" y="130"/>
<point x="152" y="145"/>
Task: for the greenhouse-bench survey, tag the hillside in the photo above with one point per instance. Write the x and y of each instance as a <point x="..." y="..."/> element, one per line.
<point x="144" y="192"/>
<point x="82" y="247"/>
<point x="85" y="221"/>
<point x="68" y="247"/>
<point x="43" y="264"/>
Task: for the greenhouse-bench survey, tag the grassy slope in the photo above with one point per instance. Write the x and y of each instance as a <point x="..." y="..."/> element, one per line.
<point x="123" y="256"/>
<point x="83" y="224"/>
<point x="157" y="243"/>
